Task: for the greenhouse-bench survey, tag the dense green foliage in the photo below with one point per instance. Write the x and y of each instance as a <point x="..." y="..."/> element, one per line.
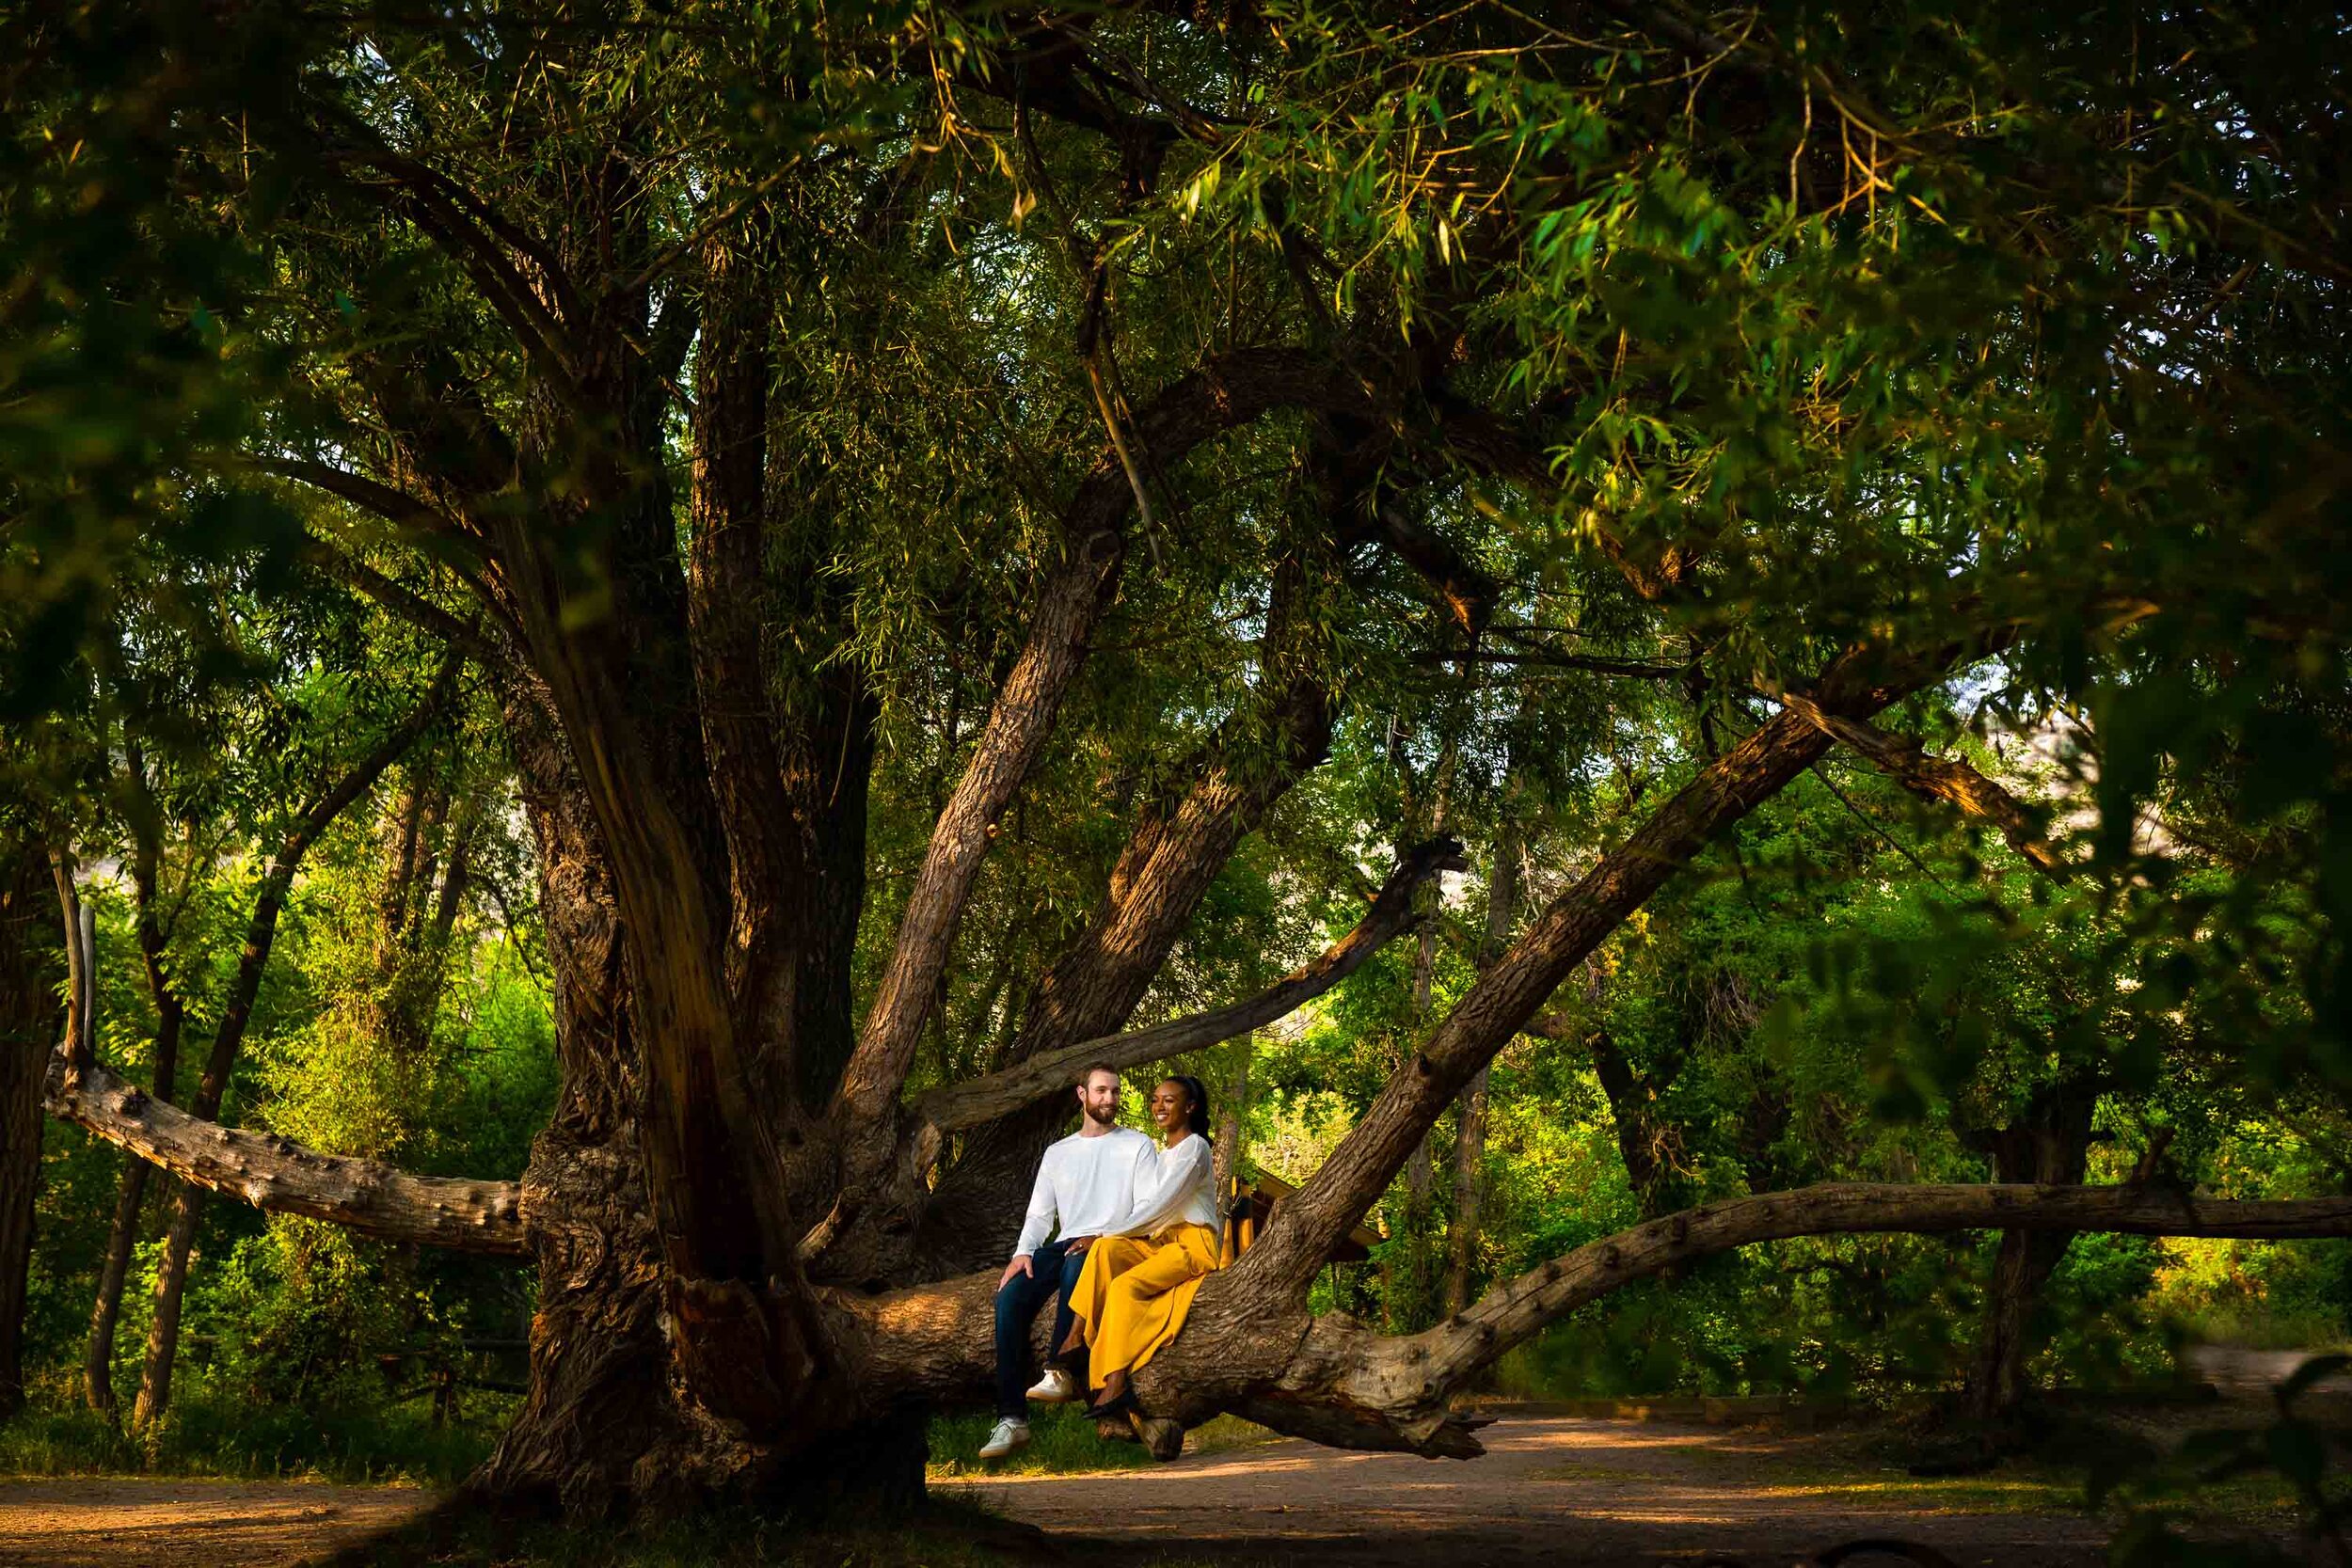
<point x="1702" y="351"/>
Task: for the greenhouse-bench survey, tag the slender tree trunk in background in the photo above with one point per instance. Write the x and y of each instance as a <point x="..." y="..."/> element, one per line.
<point x="98" y="1354"/>
<point x="1469" y="1142"/>
<point x="1409" y="1283"/>
<point x="1232" y="1117"/>
<point x="171" y="1274"/>
<point x="1470" y="1160"/>
<point x="162" y="1329"/>
<point x="31" y="945"/>
<point x="1412" y="1299"/>
<point x="2049" y="1144"/>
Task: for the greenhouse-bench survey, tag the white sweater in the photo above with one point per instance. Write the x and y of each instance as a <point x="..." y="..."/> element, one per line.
<point x="1085" y="1186"/>
<point x="1179" y="1188"/>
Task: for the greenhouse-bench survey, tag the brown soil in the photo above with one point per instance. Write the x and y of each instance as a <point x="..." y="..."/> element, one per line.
<point x="1550" y="1490"/>
<point x="104" y="1522"/>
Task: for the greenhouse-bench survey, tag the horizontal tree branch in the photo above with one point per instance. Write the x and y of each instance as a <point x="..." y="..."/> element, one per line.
<point x="984" y="1099"/>
<point x="1936" y="778"/>
<point x="279" y="1177"/>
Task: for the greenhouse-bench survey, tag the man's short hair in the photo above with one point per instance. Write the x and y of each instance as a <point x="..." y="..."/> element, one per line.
<point x="1092" y="1067"/>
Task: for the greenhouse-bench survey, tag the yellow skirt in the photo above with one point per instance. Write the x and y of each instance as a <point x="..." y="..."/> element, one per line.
<point x="1132" y="1294"/>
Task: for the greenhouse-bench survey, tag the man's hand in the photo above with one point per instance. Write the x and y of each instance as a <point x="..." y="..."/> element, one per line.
<point x="1076" y="1245"/>
<point x="1019" y="1265"/>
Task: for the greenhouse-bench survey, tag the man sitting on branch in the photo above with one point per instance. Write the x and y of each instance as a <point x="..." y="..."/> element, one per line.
<point x="1085" y="1186"/>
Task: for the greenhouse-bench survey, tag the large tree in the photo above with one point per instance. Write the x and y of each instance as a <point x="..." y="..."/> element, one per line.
<point x="756" y="394"/>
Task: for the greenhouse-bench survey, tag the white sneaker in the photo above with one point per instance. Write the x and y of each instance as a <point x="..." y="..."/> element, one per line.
<point x="1010" y="1434"/>
<point x="1056" y="1387"/>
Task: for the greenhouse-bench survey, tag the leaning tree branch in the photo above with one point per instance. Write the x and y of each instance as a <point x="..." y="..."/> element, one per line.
<point x="1019" y="723"/>
<point x="1935" y="778"/>
<point x="984" y="1099"/>
<point x="370" y="495"/>
<point x="284" y="1177"/>
<point x="1507" y="995"/>
<point x="401" y="602"/>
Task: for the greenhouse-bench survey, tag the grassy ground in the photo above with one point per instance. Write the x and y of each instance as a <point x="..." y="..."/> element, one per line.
<point x="1063" y="1442"/>
<point x="212" y="1432"/>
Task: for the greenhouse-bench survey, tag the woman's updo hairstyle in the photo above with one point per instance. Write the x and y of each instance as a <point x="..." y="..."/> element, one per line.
<point x="1196" y="1114"/>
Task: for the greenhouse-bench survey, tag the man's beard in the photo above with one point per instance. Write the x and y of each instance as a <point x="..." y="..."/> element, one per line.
<point x="1101" y="1119"/>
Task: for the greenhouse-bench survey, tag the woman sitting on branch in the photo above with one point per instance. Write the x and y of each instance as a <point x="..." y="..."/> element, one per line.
<point x="1140" y="1277"/>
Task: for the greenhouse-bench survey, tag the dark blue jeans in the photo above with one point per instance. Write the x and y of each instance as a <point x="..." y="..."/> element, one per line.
<point x="1052" y="1272"/>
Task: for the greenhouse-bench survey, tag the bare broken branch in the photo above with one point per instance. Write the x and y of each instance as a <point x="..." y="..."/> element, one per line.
<point x="284" y="1177"/>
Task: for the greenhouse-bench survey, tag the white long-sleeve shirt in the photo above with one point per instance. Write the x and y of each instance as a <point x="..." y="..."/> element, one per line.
<point x="1085" y="1186"/>
<point x="1177" y="1188"/>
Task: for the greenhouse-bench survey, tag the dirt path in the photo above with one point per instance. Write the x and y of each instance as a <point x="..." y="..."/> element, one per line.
<point x="1552" y="1490"/>
<point x="1555" y="1491"/>
<point x="107" y="1523"/>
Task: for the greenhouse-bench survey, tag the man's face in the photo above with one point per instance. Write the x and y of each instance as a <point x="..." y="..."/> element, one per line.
<point x="1098" y="1096"/>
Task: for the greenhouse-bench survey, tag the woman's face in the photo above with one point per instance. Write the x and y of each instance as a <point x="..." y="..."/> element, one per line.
<point x="1169" y="1104"/>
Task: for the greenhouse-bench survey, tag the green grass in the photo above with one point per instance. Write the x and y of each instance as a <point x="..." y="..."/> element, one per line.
<point x="2261" y="1325"/>
<point x="213" y="1431"/>
<point x="1062" y="1442"/>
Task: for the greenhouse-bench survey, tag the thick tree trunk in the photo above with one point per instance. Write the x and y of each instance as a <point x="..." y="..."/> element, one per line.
<point x="30" y="948"/>
<point x="609" y="1426"/>
<point x="601" y="1426"/>
<point x="2050" y="1144"/>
